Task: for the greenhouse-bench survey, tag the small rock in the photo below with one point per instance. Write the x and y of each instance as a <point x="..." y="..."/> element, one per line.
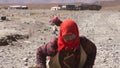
<point x="110" y="39"/>
<point x="25" y="59"/>
<point x="43" y="42"/>
<point x="26" y="64"/>
<point x="3" y="18"/>
<point x="41" y="39"/>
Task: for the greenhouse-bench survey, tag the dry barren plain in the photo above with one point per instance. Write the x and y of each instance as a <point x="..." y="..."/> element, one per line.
<point x="30" y="29"/>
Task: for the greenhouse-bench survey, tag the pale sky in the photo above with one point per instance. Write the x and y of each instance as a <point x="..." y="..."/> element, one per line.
<point x="49" y="1"/>
<point x="91" y="1"/>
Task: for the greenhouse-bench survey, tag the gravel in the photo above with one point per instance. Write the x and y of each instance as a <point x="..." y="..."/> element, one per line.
<point x="101" y="27"/>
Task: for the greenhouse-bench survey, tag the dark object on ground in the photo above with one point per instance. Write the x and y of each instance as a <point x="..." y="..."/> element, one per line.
<point x="3" y="18"/>
<point x="10" y="38"/>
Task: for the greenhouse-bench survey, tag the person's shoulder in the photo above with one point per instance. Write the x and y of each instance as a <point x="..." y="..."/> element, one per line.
<point x="86" y="42"/>
<point x="83" y="38"/>
<point x="87" y="45"/>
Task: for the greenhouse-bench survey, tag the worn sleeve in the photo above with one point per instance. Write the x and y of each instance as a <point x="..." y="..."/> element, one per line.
<point x="45" y="50"/>
<point x="90" y="50"/>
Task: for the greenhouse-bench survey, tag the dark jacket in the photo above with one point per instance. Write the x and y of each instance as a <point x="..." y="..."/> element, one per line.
<point x="50" y="49"/>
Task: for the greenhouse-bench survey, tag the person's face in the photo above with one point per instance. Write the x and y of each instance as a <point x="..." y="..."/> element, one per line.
<point x="69" y="37"/>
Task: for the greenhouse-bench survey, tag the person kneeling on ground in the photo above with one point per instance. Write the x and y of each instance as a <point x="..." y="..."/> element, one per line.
<point x="69" y="50"/>
<point x="55" y="22"/>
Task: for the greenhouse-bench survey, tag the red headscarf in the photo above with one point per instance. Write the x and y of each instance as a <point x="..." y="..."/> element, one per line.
<point x="68" y="27"/>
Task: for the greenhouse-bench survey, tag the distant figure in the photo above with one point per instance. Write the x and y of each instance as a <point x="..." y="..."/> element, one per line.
<point x="56" y="21"/>
<point x="69" y="50"/>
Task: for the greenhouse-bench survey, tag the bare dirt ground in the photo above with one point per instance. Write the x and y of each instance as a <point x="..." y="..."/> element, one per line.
<point x="101" y="27"/>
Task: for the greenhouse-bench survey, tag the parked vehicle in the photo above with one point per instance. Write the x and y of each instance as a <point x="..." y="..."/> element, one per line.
<point x="90" y="7"/>
<point x="80" y="7"/>
<point x="17" y="7"/>
<point x="55" y="8"/>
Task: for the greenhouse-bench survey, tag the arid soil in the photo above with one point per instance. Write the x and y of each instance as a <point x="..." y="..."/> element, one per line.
<point x="101" y="27"/>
